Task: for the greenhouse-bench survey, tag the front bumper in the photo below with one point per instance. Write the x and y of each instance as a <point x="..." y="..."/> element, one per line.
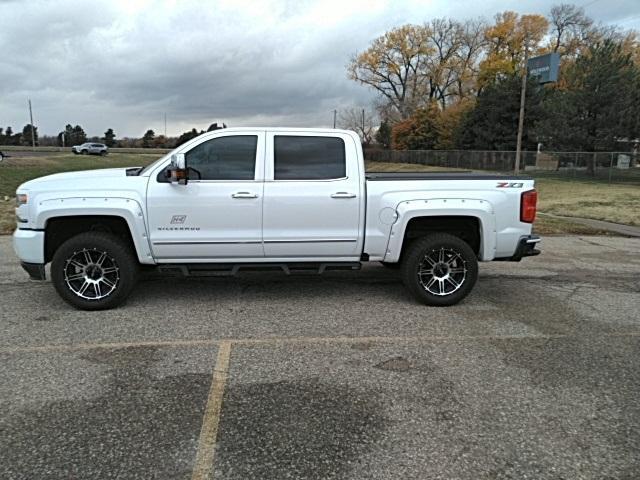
<point x="35" y="270"/>
<point x="29" y="245"/>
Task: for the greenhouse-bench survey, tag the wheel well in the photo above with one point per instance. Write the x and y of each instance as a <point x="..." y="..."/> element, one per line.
<point x="464" y="227"/>
<point x="60" y="229"/>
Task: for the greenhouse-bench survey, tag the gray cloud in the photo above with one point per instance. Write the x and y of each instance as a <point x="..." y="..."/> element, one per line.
<point x="122" y="64"/>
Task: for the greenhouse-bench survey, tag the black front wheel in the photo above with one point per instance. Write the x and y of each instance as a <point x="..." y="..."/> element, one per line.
<point x="94" y="271"/>
<point x="439" y="269"/>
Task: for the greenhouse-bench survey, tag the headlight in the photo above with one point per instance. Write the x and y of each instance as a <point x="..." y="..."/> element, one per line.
<point x="22" y="199"/>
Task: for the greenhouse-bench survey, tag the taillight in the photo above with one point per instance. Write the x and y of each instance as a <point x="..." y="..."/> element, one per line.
<point x="528" y="203"/>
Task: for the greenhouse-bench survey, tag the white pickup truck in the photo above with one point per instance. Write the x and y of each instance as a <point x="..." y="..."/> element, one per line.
<point x="290" y="199"/>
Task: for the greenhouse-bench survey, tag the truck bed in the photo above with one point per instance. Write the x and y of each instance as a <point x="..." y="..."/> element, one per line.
<point x="394" y="176"/>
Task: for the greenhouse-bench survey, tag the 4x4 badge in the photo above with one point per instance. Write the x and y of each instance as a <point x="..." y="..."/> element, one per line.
<point x="178" y="219"/>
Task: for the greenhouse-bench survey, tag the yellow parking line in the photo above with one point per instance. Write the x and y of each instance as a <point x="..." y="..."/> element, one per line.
<point x="298" y="340"/>
<point x="209" y="431"/>
<point x="388" y="339"/>
<point x="111" y="345"/>
<point x="415" y="338"/>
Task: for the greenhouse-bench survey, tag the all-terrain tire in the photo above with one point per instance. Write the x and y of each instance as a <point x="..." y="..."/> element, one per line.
<point x="98" y="262"/>
<point x="439" y="269"/>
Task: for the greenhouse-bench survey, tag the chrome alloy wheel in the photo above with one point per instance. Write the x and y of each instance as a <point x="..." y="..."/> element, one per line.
<point x="442" y="272"/>
<point x="91" y="274"/>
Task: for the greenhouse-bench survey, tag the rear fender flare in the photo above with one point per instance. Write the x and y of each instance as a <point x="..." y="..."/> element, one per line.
<point x="407" y="210"/>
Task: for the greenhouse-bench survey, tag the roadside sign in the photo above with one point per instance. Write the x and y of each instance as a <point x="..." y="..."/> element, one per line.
<point x="623" y="161"/>
<point x="544" y="67"/>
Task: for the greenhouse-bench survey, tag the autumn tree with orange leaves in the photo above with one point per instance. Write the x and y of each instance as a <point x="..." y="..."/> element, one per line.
<point x="507" y="41"/>
<point x="429" y="77"/>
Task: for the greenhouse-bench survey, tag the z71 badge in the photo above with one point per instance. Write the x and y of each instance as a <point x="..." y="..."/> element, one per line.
<point x="178" y="219"/>
<point x="509" y="185"/>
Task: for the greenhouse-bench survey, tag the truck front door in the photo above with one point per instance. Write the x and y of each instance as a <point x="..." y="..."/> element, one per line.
<point x="218" y="214"/>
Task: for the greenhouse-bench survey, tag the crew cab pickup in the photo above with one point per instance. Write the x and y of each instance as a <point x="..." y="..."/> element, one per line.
<point x="289" y="199"/>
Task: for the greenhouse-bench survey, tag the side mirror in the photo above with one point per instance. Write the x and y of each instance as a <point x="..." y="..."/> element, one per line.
<point x="177" y="172"/>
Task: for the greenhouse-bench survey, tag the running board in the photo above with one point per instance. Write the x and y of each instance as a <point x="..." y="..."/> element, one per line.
<point x="230" y="269"/>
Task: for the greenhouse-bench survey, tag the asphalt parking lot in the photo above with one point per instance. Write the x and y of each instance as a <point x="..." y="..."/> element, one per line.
<point x="535" y="375"/>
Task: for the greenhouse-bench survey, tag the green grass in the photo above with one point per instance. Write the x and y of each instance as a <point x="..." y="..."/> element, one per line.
<point x="618" y="203"/>
<point x="145" y="151"/>
<point x="17" y="170"/>
<point x="560" y="226"/>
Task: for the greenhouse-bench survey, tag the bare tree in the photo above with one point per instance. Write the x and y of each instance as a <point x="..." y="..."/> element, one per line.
<point x="444" y="36"/>
<point x="472" y="45"/>
<point x="361" y="121"/>
<point x="570" y="29"/>
<point x="413" y="65"/>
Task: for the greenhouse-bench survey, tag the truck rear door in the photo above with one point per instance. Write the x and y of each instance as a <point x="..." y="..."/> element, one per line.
<point x="312" y="196"/>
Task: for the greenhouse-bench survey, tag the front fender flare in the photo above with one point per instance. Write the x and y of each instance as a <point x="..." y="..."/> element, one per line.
<point x="128" y="209"/>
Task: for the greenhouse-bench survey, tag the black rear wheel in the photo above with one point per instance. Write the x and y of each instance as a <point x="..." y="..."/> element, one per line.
<point x="94" y="271"/>
<point x="439" y="269"/>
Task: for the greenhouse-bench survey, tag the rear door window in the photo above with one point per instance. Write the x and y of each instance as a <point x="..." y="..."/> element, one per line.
<point x="308" y="158"/>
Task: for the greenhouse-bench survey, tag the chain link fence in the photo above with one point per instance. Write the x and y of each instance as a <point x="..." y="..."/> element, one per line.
<point x="603" y="166"/>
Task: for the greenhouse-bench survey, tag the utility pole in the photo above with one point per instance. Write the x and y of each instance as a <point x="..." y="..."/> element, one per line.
<point x="523" y="93"/>
<point x="335" y="114"/>
<point x="363" y="124"/>
<point x="33" y="133"/>
<point x="165" y="124"/>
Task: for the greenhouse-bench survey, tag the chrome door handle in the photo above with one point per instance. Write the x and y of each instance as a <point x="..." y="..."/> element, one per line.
<point x="343" y="195"/>
<point x="244" y="195"/>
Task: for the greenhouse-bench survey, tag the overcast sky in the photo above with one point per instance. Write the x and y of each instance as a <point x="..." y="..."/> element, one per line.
<point x="124" y="64"/>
